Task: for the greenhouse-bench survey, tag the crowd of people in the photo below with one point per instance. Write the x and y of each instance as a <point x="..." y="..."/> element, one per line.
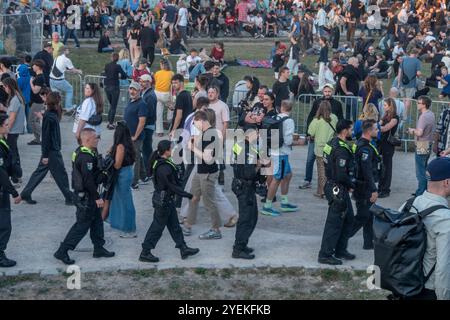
<point x="200" y="118"/>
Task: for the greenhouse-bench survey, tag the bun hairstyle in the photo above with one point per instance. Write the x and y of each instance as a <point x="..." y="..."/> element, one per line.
<point x="163" y="146"/>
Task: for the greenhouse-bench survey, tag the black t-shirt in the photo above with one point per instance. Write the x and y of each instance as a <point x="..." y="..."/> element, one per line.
<point x="353" y="78"/>
<point x="39" y="80"/>
<point x="184" y="103"/>
<point x="391" y="25"/>
<point x="281" y="92"/>
<point x="271" y="20"/>
<point x="208" y="139"/>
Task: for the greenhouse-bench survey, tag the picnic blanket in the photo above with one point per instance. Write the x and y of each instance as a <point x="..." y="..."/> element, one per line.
<point x="255" y="63"/>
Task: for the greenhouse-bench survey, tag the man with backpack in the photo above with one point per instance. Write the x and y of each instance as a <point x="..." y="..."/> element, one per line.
<point x="411" y="246"/>
<point x="437" y="226"/>
<point x="282" y="173"/>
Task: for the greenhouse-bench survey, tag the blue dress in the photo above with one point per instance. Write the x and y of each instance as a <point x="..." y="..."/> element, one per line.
<point x="122" y="214"/>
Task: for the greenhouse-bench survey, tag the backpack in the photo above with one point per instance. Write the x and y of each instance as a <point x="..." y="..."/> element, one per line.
<point x="400" y="243"/>
<point x="274" y="123"/>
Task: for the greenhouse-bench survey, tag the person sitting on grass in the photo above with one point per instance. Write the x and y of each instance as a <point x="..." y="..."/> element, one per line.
<point x="444" y="83"/>
<point x="104" y="44"/>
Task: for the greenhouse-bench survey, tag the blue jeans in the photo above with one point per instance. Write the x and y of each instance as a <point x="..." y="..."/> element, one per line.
<point x="390" y="38"/>
<point x="66" y="87"/>
<point x="421" y="166"/>
<point x="71" y="33"/>
<point x="147" y="148"/>
<point x="310" y="158"/>
<point x="198" y="69"/>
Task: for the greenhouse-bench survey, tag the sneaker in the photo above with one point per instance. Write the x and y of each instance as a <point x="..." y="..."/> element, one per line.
<point x="210" y="235"/>
<point x="34" y="143"/>
<point x="128" y="235"/>
<point x="145" y="181"/>
<point x="287" y="207"/>
<point x="135" y="186"/>
<point x="270" y="212"/>
<point x="330" y="260"/>
<point x="305" y="185"/>
<point x="382" y="195"/>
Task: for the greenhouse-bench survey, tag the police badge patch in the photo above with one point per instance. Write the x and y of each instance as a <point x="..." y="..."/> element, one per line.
<point x="365" y="156"/>
<point x="89" y="166"/>
<point x="342" y="162"/>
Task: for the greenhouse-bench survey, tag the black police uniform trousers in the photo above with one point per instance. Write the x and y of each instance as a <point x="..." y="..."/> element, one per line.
<point x="363" y="219"/>
<point x="5" y="220"/>
<point x="337" y="229"/>
<point x="164" y="216"/>
<point x="248" y="217"/>
<point x="90" y="219"/>
<point x="58" y="171"/>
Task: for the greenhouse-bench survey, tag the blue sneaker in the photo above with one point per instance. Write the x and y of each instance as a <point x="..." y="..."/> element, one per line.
<point x="287" y="207"/>
<point x="270" y="212"/>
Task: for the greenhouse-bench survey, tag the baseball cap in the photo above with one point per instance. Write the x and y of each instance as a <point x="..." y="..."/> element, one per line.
<point x="146" y="77"/>
<point x="329" y="85"/>
<point x="438" y="169"/>
<point x="47" y="44"/>
<point x="135" y="85"/>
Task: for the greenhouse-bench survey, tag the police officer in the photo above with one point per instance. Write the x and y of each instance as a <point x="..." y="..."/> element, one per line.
<point x="86" y="177"/>
<point x="246" y="174"/>
<point x="339" y="170"/>
<point x="368" y="171"/>
<point x="6" y="189"/>
<point x="167" y="182"/>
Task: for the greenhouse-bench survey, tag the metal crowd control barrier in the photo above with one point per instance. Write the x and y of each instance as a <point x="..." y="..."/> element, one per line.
<point x="123" y="96"/>
<point x="76" y="80"/>
<point x="351" y="106"/>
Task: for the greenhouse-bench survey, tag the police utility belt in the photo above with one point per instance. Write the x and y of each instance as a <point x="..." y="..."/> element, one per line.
<point x="162" y="198"/>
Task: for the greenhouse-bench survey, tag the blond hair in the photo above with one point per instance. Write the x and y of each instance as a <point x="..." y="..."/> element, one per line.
<point x="369" y="112"/>
<point x="124" y="54"/>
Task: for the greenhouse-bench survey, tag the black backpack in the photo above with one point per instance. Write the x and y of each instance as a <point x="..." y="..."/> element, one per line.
<point x="274" y="123"/>
<point x="400" y="241"/>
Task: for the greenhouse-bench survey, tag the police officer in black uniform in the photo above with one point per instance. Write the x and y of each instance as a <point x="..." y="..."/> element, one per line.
<point x="368" y="171"/>
<point x="168" y="183"/>
<point x="86" y="177"/>
<point x="246" y="170"/>
<point x="339" y="170"/>
<point x="6" y="189"/>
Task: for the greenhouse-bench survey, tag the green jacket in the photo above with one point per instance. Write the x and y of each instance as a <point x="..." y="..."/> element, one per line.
<point x="322" y="132"/>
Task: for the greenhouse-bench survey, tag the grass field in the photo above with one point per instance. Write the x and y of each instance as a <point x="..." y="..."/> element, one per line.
<point x="92" y="63"/>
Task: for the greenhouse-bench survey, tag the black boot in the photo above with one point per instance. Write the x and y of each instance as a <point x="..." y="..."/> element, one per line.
<point x="248" y="250"/>
<point x="103" y="253"/>
<point x="242" y="254"/>
<point x="330" y="260"/>
<point x="28" y="200"/>
<point x="147" y="256"/>
<point x="62" y="255"/>
<point x="345" y="255"/>
<point x="185" y="251"/>
<point x="5" y="262"/>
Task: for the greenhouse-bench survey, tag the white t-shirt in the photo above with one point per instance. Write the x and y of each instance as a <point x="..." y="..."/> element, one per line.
<point x="62" y="63"/>
<point x="222" y="113"/>
<point x="192" y="61"/>
<point x="258" y="21"/>
<point x="84" y="112"/>
<point x="183" y="15"/>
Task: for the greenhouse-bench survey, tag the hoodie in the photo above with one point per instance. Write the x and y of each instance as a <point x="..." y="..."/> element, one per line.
<point x="24" y="81"/>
